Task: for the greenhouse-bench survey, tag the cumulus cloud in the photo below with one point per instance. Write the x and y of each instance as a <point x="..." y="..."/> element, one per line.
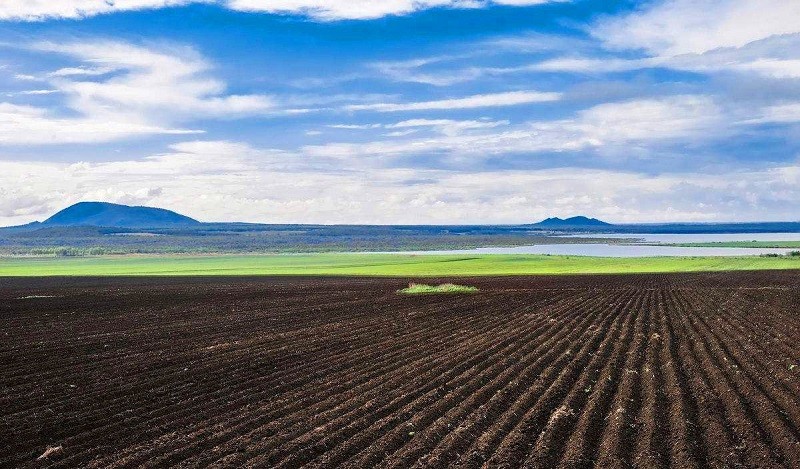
<point x="326" y="10"/>
<point x="120" y="90"/>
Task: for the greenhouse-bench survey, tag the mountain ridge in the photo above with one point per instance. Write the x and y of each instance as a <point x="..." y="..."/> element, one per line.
<point x="107" y="214"/>
<point x="577" y="221"/>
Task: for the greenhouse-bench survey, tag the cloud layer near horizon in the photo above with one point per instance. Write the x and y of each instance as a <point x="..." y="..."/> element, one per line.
<point x="227" y="181"/>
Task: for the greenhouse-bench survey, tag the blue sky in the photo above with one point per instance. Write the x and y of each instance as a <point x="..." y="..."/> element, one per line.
<point x="432" y="111"/>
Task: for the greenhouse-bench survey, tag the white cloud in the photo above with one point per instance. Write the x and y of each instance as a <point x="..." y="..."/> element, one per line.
<point x="444" y="126"/>
<point x="512" y="98"/>
<point x="773" y="53"/>
<point x="34" y="126"/>
<point x="758" y="37"/>
<point x="519" y="3"/>
<point x="783" y="113"/>
<point x="189" y="159"/>
<point x="401" y="133"/>
<point x="146" y="91"/>
<point x="345" y="9"/>
<point x="420" y="70"/>
<point x="37" y="92"/>
<point x="148" y="80"/>
<point x="409" y="71"/>
<point x="676" y="118"/>
<point x="588" y="65"/>
<point x="326" y="10"/>
<point x="331" y="10"/>
<point x="86" y="71"/>
<point x="252" y="184"/>
<point x="37" y="10"/>
<point x="737" y="60"/>
<point x="774" y="68"/>
<point x="650" y="119"/>
<point x="775" y="57"/>
<point x="449" y="126"/>
<point x="355" y="126"/>
<point x="673" y="27"/>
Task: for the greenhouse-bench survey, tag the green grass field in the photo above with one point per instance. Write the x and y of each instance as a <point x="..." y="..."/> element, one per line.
<point x="378" y="265"/>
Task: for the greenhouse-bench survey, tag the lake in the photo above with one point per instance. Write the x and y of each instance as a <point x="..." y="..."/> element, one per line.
<point x="695" y="238"/>
<point x="636" y="249"/>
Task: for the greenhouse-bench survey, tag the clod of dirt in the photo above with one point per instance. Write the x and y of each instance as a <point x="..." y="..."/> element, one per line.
<point x="560" y="413"/>
<point x="51" y="451"/>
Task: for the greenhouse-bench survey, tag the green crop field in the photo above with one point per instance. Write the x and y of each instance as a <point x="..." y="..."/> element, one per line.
<point x="378" y="265"/>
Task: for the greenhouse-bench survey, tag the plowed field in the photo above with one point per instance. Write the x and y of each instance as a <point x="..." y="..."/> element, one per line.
<point x="678" y="370"/>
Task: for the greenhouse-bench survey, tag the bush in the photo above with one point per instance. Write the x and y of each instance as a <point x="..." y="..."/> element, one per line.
<point x="418" y="288"/>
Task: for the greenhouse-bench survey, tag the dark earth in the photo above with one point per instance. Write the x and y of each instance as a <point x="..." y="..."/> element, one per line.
<point x="678" y="370"/>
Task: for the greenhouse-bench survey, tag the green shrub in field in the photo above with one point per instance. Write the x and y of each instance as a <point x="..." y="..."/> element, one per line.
<point x="419" y="288"/>
<point x="795" y="253"/>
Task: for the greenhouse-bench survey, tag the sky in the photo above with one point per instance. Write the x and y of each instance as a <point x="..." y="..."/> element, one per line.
<point x="403" y="111"/>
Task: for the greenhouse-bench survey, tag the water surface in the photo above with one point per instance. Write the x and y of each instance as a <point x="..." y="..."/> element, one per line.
<point x="694" y="238"/>
<point x="607" y="250"/>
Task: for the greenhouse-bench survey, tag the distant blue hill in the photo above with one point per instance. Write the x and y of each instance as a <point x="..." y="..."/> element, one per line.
<point x="573" y="222"/>
<point x="116" y="215"/>
<point x="91" y="223"/>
